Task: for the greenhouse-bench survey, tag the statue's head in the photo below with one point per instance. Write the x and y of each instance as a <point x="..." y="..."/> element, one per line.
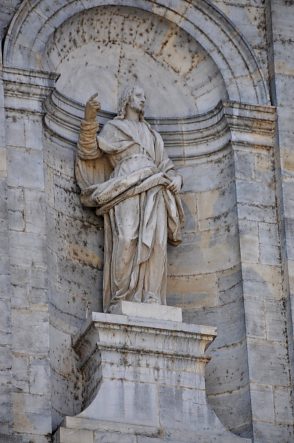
<point x="134" y="97"/>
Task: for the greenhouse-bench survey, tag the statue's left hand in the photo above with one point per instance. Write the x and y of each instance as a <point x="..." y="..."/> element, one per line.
<point x="176" y="184"/>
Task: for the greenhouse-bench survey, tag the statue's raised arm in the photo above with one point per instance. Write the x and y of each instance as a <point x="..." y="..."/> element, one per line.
<point x="91" y="166"/>
<point x="87" y="146"/>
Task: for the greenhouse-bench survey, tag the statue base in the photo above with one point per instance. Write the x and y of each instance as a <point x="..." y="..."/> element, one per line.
<point x="144" y="380"/>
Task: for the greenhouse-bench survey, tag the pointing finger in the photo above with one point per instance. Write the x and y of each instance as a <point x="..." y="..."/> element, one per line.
<point x="93" y="96"/>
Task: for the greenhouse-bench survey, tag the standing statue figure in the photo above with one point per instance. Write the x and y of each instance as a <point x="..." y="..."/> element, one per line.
<point x="126" y="174"/>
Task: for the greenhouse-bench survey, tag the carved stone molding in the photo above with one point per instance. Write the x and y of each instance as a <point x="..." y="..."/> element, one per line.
<point x="27" y="89"/>
<point x="251" y="126"/>
<point x="185" y="138"/>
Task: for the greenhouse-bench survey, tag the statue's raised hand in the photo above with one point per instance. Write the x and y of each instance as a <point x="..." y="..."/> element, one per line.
<point x="92" y="107"/>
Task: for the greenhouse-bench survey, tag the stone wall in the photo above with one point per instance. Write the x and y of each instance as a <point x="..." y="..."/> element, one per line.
<point x="29" y="314"/>
<point x="264" y="300"/>
<point x="234" y="268"/>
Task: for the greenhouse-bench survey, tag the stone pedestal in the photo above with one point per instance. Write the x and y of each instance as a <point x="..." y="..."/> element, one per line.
<point x="144" y="380"/>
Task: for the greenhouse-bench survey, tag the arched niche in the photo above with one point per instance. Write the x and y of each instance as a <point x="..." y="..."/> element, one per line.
<point x="204" y="272"/>
<point x="105" y="48"/>
<point x="201" y="20"/>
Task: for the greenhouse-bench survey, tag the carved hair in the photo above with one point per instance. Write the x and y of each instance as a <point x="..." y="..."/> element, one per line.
<point x="125" y="99"/>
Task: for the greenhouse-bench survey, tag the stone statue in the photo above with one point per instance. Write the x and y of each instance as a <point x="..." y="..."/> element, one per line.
<point x="126" y="174"/>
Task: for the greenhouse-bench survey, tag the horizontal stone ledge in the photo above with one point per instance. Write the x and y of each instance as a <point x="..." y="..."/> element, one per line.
<point x="162" y="352"/>
<point x="129" y="334"/>
<point x="25" y="90"/>
<point x="236" y="111"/>
<point x="189" y="138"/>
<point x="103" y="425"/>
<point x="198" y="135"/>
<point x="27" y="76"/>
<point x="122" y="320"/>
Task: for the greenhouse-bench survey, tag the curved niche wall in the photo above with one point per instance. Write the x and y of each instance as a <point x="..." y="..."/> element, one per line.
<point x="103" y="49"/>
<point x="100" y="50"/>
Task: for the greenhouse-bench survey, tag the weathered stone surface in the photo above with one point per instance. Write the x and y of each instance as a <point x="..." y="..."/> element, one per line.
<point x="270" y="365"/>
<point x="153" y="311"/>
<point x="112" y="437"/>
<point x="74" y="436"/>
<point x="9" y="438"/>
<point x="261" y="396"/>
<point x="30" y="162"/>
<point x="30" y="324"/>
<point x="3" y="162"/>
<point x="31" y="414"/>
<point x="282" y="401"/>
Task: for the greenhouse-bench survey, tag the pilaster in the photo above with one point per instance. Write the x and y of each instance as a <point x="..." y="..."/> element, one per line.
<point x="24" y="92"/>
<point x="253" y="132"/>
<point x="5" y="295"/>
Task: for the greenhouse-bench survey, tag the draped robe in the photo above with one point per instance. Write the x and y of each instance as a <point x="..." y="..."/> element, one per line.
<point x="140" y="213"/>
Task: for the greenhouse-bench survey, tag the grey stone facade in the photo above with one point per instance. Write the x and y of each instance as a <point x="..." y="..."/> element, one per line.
<point x="220" y="78"/>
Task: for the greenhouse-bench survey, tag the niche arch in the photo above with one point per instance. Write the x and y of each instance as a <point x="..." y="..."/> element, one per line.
<point x="36" y="21"/>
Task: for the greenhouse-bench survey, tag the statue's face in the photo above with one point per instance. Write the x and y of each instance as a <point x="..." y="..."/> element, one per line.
<point x="137" y="100"/>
